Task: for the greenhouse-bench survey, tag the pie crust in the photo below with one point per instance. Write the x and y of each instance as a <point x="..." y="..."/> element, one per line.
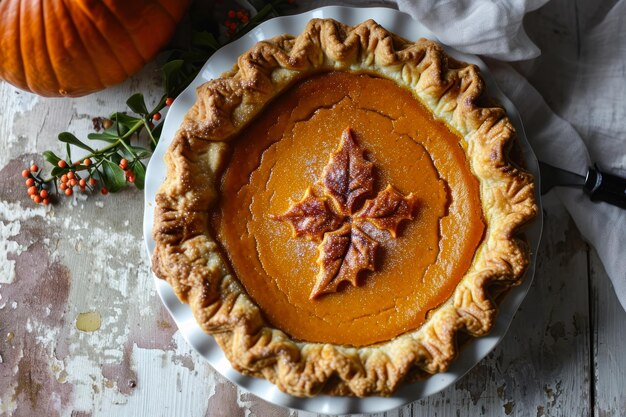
<point x="188" y="256"/>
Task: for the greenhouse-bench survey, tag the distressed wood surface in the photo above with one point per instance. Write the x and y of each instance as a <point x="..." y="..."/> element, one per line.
<point x="564" y="354"/>
<point x="607" y="345"/>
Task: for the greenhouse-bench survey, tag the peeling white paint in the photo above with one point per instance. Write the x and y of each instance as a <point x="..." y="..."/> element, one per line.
<point x="7" y="247"/>
<point x="163" y="397"/>
<point x="83" y="373"/>
<point x="7" y="404"/>
<point x="44" y="335"/>
<point x="11" y="215"/>
<point x="21" y="102"/>
<point x="14" y="211"/>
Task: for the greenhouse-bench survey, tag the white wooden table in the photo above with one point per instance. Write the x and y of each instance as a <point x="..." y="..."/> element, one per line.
<point x="563" y="355"/>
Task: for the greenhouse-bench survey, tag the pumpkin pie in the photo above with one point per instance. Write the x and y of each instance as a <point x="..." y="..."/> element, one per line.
<point x="339" y="206"/>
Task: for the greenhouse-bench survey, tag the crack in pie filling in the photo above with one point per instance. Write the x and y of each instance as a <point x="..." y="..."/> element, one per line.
<point x="338" y="206"/>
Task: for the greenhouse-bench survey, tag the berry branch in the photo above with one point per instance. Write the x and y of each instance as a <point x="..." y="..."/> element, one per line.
<point x="131" y="137"/>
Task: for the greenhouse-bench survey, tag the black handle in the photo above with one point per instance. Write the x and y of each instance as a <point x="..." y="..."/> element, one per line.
<point x="605" y="187"/>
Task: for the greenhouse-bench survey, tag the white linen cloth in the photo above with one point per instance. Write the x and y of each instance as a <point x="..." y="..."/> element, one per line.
<point x="584" y="75"/>
<point x="592" y="85"/>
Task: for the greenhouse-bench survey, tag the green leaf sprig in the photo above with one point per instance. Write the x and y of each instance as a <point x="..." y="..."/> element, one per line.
<point x="132" y="135"/>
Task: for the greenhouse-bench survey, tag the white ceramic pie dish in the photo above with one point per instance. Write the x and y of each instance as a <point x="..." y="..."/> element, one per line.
<point x="471" y="353"/>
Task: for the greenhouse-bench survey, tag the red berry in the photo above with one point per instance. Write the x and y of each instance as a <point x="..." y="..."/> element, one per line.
<point x="63" y="186"/>
<point x="68" y="192"/>
<point x="76" y="163"/>
<point x="244" y="19"/>
<point x="124" y="163"/>
<point x="130" y="178"/>
<point x="239" y="14"/>
<point x="87" y="162"/>
<point x="82" y="182"/>
<point x="70" y="175"/>
<point x="73" y="182"/>
<point x="37" y="199"/>
<point x="61" y="164"/>
<point x="32" y="190"/>
<point x="25" y="173"/>
<point x="227" y="23"/>
<point x="82" y="189"/>
<point x="169" y="101"/>
<point x="34" y="168"/>
<point x="64" y="178"/>
<point x="30" y="182"/>
<point x="231" y="14"/>
<point x="46" y="201"/>
<point x="104" y="191"/>
<point x="156" y="117"/>
<point x="43" y="194"/>
<point x="92" y="181"/>
<point x="233" y="26"/>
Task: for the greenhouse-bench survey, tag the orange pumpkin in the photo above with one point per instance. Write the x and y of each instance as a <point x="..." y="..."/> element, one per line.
<point x="75" y="47"/>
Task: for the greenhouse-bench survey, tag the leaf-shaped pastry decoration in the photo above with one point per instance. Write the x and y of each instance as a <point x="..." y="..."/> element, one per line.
<point x="310" y="217"/>
<point x="345" y="249"/>
<point x="348" y="176"/>
<point x="342" y="255"/>
<point x="388" y="209"/>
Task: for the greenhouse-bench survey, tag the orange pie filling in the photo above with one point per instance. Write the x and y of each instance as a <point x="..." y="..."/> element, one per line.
<point x="348" y="212"/>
